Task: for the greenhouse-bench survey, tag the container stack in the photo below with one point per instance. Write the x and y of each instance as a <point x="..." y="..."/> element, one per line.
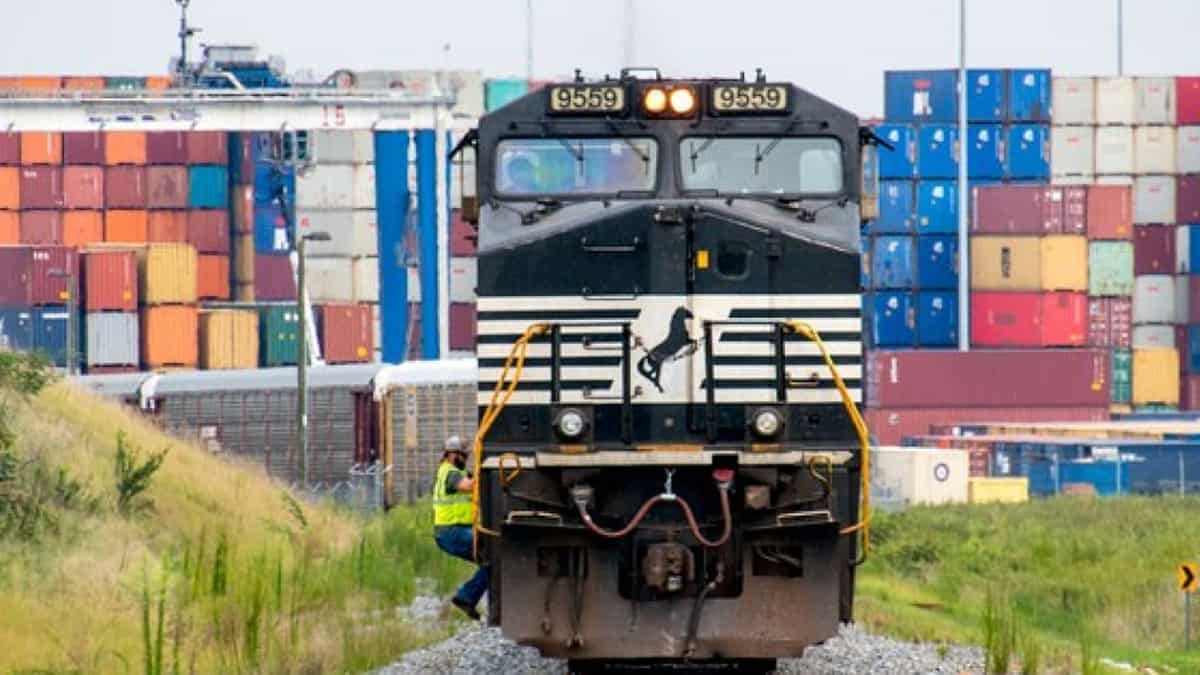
<point x="110" y="299"/>
<point x="206" y="223"/>
<point x="170" y="316"/>
<point x="34" y="290"/>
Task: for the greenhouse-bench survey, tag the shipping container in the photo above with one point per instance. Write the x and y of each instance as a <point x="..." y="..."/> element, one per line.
<point x="212" y="277"/>
<point x="1154" y="249"/>
<point x="1072" y="152"/>
<point x="83" y="187"/>
<point x="352" y="233"/>
<point x="1074" y="209"/>
<point x="80" y="228"/>
<point x="1109" y="212"/>
<point x="333" y="146"/>
<point x="1110" y="322"/>
<point x="326" y="187"/>
<point x="41" y="147"/>
<point x="125" y="187"/>
<point x="166" y="147"/>
<point x="1029" y="95"/>
<point x="126" y="227"/>
<point x="28" y="280"/>
<point x="83" y="147"/>
<point x="1114" y="149"/>
<point x="346" y="333"/>
<point x="366" y="279"/>
<point x="10" y="148"/>
<point x="125" y="83"/>
<point x="41" y="187"/>
<point x="499" y="93"/>
<point x="1153" y="337"/>
<point x="272" y="180"/>
<point x="1187" y="199"/>
<point x="937" y="319"/>
<point x="1154" y="100"/>
<point x="1126" y="180"/>
<point x="1187" y="100"/>
<point x="1013" y="209"/>
<point x="167" y="187"/>
<point x="110" y="280"/>
<point x="1194" y="308"/>
<point x="893" y="319"/>
<point x="1192" y="364"/>
<point x="901" y="160"/>
<point x="1183" y="300"/>
<point x="1006" y="319"/>
<point x="364" y="146"/>
<point x="1122" y="376"/>
<point x="279" y="330"/>
<point x="1005" y="263"/>
<point x="10" y="227"/>
<point x="1154" y="299"/>
<point x="889" y="426"/>
<point x="167" y="273"/>
<point x="1028" y="152"/>
<point x="51" y="325"/>
<point x="892" y="262"/>
<point x="1154" y="150"/>
<point x="1154" y="200"/>
<point x="273" y="278"/>
<point x="10" y="188"/>
<point x="41" y="227"/>
<point x="937" y="207"/>
<point x="987" y="95"/>
<point x="206" y="147"/>
<point x="1184" y="250"/>
<point x="985" y="151"/>
<point x="170" y="336"/>
<point x="208" y="187"/>
<point x="111" y="339"/>
<point x="462" y="326"/>
<point x="464" y="274"/>
<point x="909" y="95"/>
<point x="1110" y="265"/>
<point x="16" y="328"/>
<point x="228" y="339"/>
<point x="1074" y="100"/>
<point x="1115" y="100"/>
<point x="937" y="262"/>
<point x="1155" y="377"/>
<point x="330" y="280"/>
<point x="271" y="234"/>
<point x="997" y="490"/>
<point x="1187" y="149"/>
<point x="908" y="476"/>
<point x="124" y="147"/>
<point x="166" y="226"/>
<point x="1189" y="392"/>
<point x="1064" y="262"/>
<point x="937" y="151"/>
<point x="208" y="230"/>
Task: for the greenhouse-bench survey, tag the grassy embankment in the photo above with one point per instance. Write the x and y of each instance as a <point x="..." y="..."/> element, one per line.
<point x="212" y="568"/>
<point x="1071" y="574"/>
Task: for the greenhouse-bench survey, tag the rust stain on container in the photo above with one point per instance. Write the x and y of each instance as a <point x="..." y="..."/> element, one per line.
<point x="167" y="187"/>
<point x="125" y="147"/>
<point x="41" y="147"/>
<point x="167" y="226"/>
<point x="83" y="187"/>
<point x="170" y="336"/>
<point x="125" y="226"/>
<point x="80" y="228"/>
<point x="110" y="280"/>
<point x="212" y="277"/>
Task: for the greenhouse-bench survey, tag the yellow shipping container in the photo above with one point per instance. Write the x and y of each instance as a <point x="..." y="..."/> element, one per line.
<point x="228" y="339"/>
<point x="1064" y="262"/>
<point x="1155" y="376"/>
<point x="168" y="274"/>
<point x="1003" y="490"/>
<point x="1006" y="263"/>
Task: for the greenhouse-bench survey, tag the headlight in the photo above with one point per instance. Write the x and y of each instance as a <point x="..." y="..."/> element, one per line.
<point x="654" y="100"/>
<point x="767" y="422"/>
<point x="683" y="101"/>
<point x="571" y="424"/>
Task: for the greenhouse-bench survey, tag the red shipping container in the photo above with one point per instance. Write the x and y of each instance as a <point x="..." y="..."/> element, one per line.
<point x="1075" y="210"/>
<point x="1110" y="322"/>
<point x="1015" y="209"/>
<point x="347" y="333"/>
<point x="41" y="227"/>
<point x="110" y="280"/>
<point x="166" y="147"/>
<point x="125" y="187"/>
<point x="1006" y="319"/>
<point x="1187" y="100"/>
<point x="27" y="280"/>
<point x="10" y="148"/>
<point x="1187" y="199"/>
<point x="83" y="147"/>
<point x="41" y="187"/>
<point x="166" y="226"/>
<point x="273" y="278"/>
<point x="1189" y="392"/>
<point x="167" y="187"/>
<point x="212" y="277"/>
<point x="464" y="241"/>
<point x="1153" y="249"/>
<point x="889" y="426"/>
<point x="462" y="326"/>
<point x="207" y="147"/>
<point x="83" y="187"/>
<point x="1109" y="212"/>
<point x="1064" y="319"/>
<point x="208" y="230"/>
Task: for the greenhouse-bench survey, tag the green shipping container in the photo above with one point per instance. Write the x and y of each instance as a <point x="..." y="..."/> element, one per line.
<point x="1110" y="268"/>
<point x="1122" y="376"/>
<point x="126" y="83"/>
<point x="499" y="93"/>
<point x="279" y="329"/>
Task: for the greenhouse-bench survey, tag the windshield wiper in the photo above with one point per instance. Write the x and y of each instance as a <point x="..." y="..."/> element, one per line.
<point x="792" y="203"/>
<point x="576" y="153"/>
<point x="695" y="154"/>
<point x="644" y="156"/>
<point x="759" y="156"/>
<point x="810" y="215"/>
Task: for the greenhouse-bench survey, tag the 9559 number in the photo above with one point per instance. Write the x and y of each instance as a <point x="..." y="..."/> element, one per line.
<point x="749" y="98"/>
<point x="587" y="99"/>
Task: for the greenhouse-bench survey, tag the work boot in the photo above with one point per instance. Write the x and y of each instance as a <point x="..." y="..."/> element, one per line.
<point x="467" y="609"/>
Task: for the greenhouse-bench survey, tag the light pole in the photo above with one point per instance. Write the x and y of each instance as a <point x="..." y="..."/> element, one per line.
<point x="964" y="248"/>
<point x="59" y="273"/>
<point x="302" y="349"/>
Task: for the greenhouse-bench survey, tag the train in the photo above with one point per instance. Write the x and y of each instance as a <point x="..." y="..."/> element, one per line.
<point x="671" y="458"/>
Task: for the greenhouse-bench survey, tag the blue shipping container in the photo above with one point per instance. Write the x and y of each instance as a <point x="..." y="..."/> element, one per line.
<point x="937" y="151"/>
<point x="50" y="333"/>
<point x="1189" y="257"/>
<point x="920" y="95"/>
<point x="892" y="319"/>
<point x="901" y="160"/>
<point x="270" y="231"/>
<point x="897" y="208"/>
<point x="892" y="262"/>
<point x="864" y="266"/>
<point x="208" y="187"/>
<point x="16" y="328"/>
<point x="937" y="262"/>
<point x="1108" y="477"/>
<point x="269" y="179"/>
<point x="985" y="151"/>
<point x="1029" y="95"/>
<point x="937" y="207"/>
<point x="1193" y="362"/>
<point x="987" y="95"/>
<point x="937" y="319"/>
<point x="499" y="93"/>
<point x="1029" y="151"/>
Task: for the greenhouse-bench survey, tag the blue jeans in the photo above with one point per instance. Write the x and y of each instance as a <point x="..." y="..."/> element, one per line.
<point x="459" y="541"/>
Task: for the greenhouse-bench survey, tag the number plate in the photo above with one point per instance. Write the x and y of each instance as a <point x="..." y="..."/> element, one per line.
<point x="587" y="99"/>
<point x="764" y="98"/>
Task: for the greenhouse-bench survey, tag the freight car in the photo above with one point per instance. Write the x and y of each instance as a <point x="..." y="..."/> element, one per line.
<point x="669" y="346"/>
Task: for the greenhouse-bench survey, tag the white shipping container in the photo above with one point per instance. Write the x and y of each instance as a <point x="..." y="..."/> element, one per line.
<point x="1154" y="299"/>
<point x="464" y="277"/>
<point x="1115" y="100"/>
<point x="363" y="196"/>
<point x="352" y="233"/>
<point x="1114" y="150"/>
<point x="1082" y="179"/>
<point x="1074" y="100"/>
<point x="112" y="339"/>
<point x="1154" y="150"/>
<point x="1183" y="250"/>
<point x="1072" y="151"/>
<point x="914" y="476"/>
<point x="330" y="280"/>
<point x="1187" y="149"/>
<point x="1154" y="200"/>
<point x="332" y="146"/>
<point x="325" y="186"/>
<point x="1154" y="100"/>
<point x="366" y="279"/>
<point x="462" y="181"/>
<point x="1183" y="297"/>
<point x="1114" y="180"/>
<point x="364" y="146"/>
<point x="1154" y="337"/>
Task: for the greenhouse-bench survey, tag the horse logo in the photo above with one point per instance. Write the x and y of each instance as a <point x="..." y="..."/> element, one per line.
<point x="677" y="340"/>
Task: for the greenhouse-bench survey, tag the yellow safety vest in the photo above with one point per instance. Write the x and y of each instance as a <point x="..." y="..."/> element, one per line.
<point x="450" y="508"/>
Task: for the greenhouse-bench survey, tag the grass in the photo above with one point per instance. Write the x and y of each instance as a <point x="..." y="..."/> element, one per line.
<point x="1056" y="584"/>
<point x="199" y="565"/>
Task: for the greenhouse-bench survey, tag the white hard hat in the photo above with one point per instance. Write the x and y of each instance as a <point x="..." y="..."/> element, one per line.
<point x="453" y="444"/>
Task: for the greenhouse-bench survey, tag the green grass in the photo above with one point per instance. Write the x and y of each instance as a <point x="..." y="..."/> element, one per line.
<point x="1048" y="580"/>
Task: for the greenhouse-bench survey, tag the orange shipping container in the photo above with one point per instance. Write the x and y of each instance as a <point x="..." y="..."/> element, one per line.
<point x="124" y="147"/>
<point x="80" y="228"/>
<point x="228" y="339"/>
<point x="10" y="188"/>
<point x="40" y="83"/>
<point x="167" y="226"/>
<point x="90" y="83"/>
<point x="159" y="82"/>
<point x="170" y="336"/>
<point x="41" y="147"/>
<point x="10" y="227"/>
<point x="212" y="278"/>
<point x="129" y="227"/>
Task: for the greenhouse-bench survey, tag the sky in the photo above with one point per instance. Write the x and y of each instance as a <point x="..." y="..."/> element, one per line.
<point x="837" y="50"/>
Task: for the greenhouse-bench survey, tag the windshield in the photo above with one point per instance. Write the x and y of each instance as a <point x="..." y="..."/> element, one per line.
<point x="744" y="165"/>
<point x="566" y="166"/>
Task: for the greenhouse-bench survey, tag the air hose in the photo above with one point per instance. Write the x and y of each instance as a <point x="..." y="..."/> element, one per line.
<point x="724" y="478"/>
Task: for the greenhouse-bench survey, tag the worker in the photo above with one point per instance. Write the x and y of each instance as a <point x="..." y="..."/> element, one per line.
<point x="453" y="515"/>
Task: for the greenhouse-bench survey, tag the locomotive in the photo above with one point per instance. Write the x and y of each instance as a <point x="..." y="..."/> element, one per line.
<point x="670" y="361"/>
